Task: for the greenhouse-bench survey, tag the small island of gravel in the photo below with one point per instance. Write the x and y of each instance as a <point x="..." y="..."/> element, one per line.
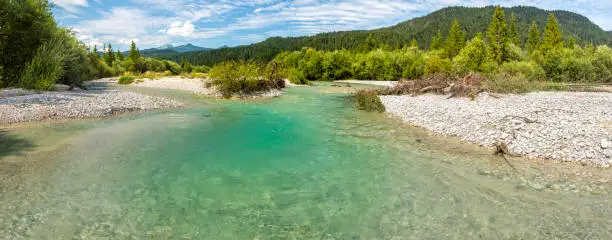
<point x="198" y="86"/>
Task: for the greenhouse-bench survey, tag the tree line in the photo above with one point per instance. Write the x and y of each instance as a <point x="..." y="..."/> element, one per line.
<point x="498" y="54"/>
<point x="37" y="53"/>
<point x="422" y="29"/>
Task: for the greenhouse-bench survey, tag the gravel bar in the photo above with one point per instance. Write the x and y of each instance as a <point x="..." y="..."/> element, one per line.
<point x="566" y="126"/>
<point x="77" y="104"/>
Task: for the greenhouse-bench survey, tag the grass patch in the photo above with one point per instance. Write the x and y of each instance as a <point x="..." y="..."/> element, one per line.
<point x="193" y="75"/>
<point x="153" y="75"/>
<point x="520" y="84"/>
<point x="126" y="79"/>
<point x="368" y="100"/>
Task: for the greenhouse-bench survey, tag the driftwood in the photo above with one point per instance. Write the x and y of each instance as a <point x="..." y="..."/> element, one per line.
<point x="501" y="149"/>
<point x="435" y="87"/>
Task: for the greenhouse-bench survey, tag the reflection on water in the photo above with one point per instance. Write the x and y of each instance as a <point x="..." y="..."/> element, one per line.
<point x="304" y="166"/>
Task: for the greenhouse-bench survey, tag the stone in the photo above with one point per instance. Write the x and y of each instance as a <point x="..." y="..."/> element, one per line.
<point x="605" y="144"/>
<point x="61" y="87"/>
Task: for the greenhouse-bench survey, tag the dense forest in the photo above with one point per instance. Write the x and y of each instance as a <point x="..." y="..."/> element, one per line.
<point x="37" y="53"/>
<point x="425" y="30"/>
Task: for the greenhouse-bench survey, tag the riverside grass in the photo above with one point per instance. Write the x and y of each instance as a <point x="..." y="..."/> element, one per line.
<point x="369" y="101"/>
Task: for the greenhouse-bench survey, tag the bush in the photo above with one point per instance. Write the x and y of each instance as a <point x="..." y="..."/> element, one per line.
<point x="436" y="64"/>
<point x="602" y="61"/>
<point x="46" y="67"/>
<point x="201" y="69"/>
<point x="503" y="83"/>
<point x="173" y="67"/>
<point x="368" y="100"/>
<point x="472" y="58"/>
<point x="241" y="78"/>
<point x="529" y="70"/>
<point x="296" y="77"/>
<point x="126" y="79"/>
<point x="186" y="67"/>
<point x="154" y="65"/>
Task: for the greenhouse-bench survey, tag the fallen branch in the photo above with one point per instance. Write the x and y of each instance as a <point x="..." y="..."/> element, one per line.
<point x="501" y="149"/>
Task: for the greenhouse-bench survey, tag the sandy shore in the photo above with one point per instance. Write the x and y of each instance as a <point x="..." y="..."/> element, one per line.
<point x="566" y="126"/>
<point x="31" y="106"/>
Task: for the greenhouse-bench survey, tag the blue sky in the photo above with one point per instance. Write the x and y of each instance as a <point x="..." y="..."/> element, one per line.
<point x="215" y="23"/>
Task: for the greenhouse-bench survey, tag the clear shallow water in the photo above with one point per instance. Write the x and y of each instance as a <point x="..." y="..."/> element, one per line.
<point x="303" y="166"/>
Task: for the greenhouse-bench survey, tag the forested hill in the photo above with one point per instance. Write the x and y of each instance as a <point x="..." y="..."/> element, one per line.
<point x="472" y="21"/>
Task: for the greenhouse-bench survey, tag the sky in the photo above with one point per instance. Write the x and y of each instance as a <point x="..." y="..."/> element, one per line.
<point x="216" y="23"/>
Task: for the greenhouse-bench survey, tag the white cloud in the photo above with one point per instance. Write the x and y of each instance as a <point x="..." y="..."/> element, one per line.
<point x="70" y="5"/>
<point x="184" y="29"/>
<point x="155" y="22"/>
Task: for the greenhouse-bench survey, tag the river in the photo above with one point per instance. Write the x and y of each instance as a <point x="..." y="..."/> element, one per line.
<point x="306" y="165"/>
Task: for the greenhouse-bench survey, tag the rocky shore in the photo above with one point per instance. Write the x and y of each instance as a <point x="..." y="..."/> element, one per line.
<point x="566" y="126"/>
<point x="29" y="106"/>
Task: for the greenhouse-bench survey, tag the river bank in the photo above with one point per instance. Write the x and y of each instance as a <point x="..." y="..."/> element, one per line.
<point x="565" y="126"/>
<point x="194" y="85"/>
<point x="28" y="106"/>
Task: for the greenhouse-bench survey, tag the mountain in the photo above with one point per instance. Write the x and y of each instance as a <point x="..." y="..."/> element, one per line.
<point x="169" y="50"/>
<point x="189" y="48"/>
<point x="472" y="21"/>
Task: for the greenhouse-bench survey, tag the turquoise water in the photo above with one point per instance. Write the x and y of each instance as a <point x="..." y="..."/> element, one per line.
<point x="303" y="166"/>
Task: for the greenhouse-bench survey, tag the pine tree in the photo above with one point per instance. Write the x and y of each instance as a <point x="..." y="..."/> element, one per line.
<point x="552" y="39"/>
<point x="571" y="42"/>
<point x="134" y="53"/>
<point x="498" y="38"/>
<point x="514" y="36"/>
<point x="95" y="51"/>
<point x="436" y="41"/>
<point x="119" y="55"/>
<point x="109" y="55"/>
<point x="534" y="40"/>
<point x="455" y="40"/>
<point x="414" y="43"/>
<point x="370" y="44"/>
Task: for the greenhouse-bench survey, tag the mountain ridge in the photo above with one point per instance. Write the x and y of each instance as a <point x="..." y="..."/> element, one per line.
<point x="170" y="49"/>
<point x="422" y="29"/>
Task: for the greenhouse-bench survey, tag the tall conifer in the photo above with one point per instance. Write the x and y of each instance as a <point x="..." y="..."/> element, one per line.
<point x="552" y="39"/>
<point x="498" y="38"/>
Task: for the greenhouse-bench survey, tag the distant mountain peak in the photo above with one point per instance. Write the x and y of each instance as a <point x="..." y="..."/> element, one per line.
<point x="166" y="46"/>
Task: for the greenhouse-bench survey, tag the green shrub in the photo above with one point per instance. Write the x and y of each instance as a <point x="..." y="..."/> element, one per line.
<point x="503" y="83"/>
<point x="126" y="79"/>
<point x="240" y="78"/>
<point x="154" y="65"/>
<point x="201" y="69"/>
<point x="173" y="67"/>
<point x="472" y="58"/>
<point x="186" y="67"/>
<point x="368" y="100"/>
<point x="296" y="77"/>
<point x="602" y="61"/>
<point x="436" y="64"/>
<point x="529" y="70"/>
<point x="46" y="67"/>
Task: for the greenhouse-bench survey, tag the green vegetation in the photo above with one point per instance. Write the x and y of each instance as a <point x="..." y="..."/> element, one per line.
<point x="37" y="53"/>
<point x="427" y="31"/>
<point x="126" y="79"/>
<point x="495" y="57"/>
<point x="242" y="78"/>
<point x="368" y="100"/>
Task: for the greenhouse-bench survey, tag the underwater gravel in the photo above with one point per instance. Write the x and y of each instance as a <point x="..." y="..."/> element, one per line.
<point x="566" y="126"/>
